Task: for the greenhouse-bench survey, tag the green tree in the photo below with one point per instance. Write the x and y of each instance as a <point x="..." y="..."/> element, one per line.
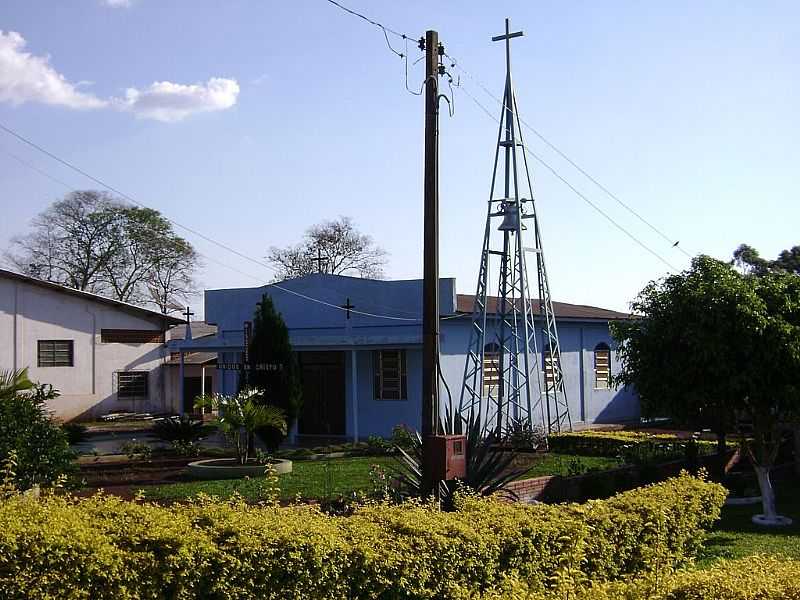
<point x="713" y="347"/>
<point x="676" y="353"/>
<point x="273" y="364"/>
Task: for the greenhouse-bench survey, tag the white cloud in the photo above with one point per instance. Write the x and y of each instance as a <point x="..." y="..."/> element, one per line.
<point x="117" y="3"/>
<point x="169" y="102"/>
<point x="28" y="78"/>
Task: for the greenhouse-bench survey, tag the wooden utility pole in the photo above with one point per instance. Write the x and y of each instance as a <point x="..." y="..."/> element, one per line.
<point x="430" y="282"/>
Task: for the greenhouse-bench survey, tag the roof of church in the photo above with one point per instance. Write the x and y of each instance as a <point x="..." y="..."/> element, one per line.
<point x="563" y="310"/>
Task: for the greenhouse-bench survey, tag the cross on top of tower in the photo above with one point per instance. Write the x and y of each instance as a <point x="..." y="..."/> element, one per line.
<point x="507" y="35"/>
<point x="188" y="314"/>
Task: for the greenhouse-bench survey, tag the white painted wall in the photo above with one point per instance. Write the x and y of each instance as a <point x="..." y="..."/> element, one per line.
<point x="29" y="313"/>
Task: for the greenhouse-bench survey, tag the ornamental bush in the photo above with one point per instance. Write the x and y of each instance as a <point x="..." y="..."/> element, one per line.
<point x="751" y="578"/>
<point x="632" y="445"/>
<point x="39" y="446"/>
<point x="104" y="547"/>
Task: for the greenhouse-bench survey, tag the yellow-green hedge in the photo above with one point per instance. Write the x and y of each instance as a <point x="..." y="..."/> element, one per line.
<point x="617" y="443"/>
<point x="752" y="578"/>
<point x="104" y="547"/>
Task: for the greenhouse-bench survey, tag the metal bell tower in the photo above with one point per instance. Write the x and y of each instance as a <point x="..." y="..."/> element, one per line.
<point x="506" y="380"/>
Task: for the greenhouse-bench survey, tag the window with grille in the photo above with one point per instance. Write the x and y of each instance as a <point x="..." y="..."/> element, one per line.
<point x="491" y="368"/>
<point x="390" y="374"/>
<point x="132" y="384"/>
<point x="56" y="353"/>
<point x="602" y="367"/>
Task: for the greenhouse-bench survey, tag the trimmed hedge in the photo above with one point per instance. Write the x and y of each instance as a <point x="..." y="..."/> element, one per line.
<point x="752" y="578"/>
<point x="621" y="443"/>
<point x="104" y="547"/>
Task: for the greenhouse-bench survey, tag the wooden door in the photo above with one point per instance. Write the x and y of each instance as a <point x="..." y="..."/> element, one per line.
<point x="323" y="411"/>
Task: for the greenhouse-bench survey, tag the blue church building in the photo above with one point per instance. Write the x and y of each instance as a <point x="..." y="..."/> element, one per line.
<point x="359" y="347"/>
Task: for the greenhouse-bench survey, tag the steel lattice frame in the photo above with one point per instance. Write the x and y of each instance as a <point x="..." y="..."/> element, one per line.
<point x="526" y="389"/>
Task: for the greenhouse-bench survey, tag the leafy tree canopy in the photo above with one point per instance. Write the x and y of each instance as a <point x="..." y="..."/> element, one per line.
<point x="334" y="247"/>
<point x="716" y="347"/>
<point x="94" y="242"/>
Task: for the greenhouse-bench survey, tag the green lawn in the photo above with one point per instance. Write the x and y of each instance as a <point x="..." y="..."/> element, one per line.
<point x="326" y="478"/>
<point x="309" y="479"/>
<point x="736" y="536"/>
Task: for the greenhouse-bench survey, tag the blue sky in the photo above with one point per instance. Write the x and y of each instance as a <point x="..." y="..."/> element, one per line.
<point x="250" y="120"/>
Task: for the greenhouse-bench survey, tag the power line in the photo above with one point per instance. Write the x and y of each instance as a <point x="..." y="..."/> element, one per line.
<point x="71" y="188"/>
<point x="189" y="229"/>
<point x="384" y="28"/>
<point x="673" y="243"/>
<point x="581" y="195"/>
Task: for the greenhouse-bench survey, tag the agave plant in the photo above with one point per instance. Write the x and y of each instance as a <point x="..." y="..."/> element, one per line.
<point x="241" y="415"/>
<point x="488" y="469"/>
<point x="183" y="429"/>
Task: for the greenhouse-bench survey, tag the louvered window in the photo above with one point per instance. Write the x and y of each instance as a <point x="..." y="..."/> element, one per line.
<point x="390" y="374"/>
<point x="55" y="353"/>
<point x="491" y="368"/>
<point x="549" y="369"/>
<point x="602" y="367"/>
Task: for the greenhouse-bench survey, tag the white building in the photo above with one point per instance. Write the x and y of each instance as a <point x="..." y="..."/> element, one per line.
<point x="102" y="355"/>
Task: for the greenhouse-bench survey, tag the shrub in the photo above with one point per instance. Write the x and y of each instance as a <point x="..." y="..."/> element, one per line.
<point x="75" y="432"/>
<point x="377" y="446"/>
<point x="752" y="578"/>
<point x="42" y="451"/>
<point x="633" y="446"/>
<point x="104" y="547"/>
<point x="525" y="435"/>
<point x="134" y="449"/>
<point x="402" y="437"/>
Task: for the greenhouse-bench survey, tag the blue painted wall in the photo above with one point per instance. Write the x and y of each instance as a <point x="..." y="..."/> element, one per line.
<point x="315" y="326"/>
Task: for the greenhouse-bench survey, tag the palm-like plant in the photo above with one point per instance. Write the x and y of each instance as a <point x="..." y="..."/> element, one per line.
<point x="241" y="415"/>
<point x="14" y="382"/>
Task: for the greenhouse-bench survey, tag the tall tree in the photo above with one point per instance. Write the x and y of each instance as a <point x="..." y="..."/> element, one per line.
<point x="72" y="241"/>
<point x="92" y="241"/>
<point x="273" y="364"/>
<point x="334" y="247"/>
<point x="714" y="347"/>
<point x="171" y="280"/>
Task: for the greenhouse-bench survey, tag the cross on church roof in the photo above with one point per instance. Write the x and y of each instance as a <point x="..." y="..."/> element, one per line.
<point x="348" y="307"/>
<point x="319" y="259"/>
<point x="188" y="314"/>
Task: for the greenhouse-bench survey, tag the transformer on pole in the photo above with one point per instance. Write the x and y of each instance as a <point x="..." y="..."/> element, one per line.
<point x="506" y="381"/>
